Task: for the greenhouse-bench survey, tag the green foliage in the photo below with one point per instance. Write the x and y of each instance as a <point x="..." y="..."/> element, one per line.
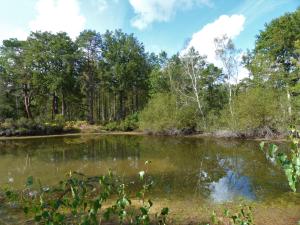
<point x="289" y="161"/>
<point x="279" y="36"/>
<point x="243" y="217"/>
<point x="274" y="60"/>
<point x="254" y="109"/>
<point x="106" y="78"/>
<point x="49" y="74"/>
<point x="112" y="126"/>
<point x="130" y="123"/>
<point x="164" y="114"/>
<point x="24" y="126"/>
<point x="87" y="200"/>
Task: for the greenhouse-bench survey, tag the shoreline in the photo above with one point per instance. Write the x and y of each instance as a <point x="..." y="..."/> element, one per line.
<point x="141" y="133"/>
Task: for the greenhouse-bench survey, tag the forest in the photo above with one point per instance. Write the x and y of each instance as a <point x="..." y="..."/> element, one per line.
<point x="158" y="138"/>
<point x="110" y="80"/>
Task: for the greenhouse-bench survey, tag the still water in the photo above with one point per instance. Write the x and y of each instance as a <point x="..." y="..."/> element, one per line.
<point x="205" y="170"/>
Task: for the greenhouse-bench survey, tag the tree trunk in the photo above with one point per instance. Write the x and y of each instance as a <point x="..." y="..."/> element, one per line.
<point x="136" y="101"/>
<point x="103" y="107"/>
<point x="27" y="107"/>
<point x="115" y="106"/>
<point x="54" y="105"/>
<point x="27" y="101"/>
<point x="289" y="102"/>
<point x="91" y="106"/>
<point x="121" y="102"/>
<point x="63" y="105"/>
<point x="230" y="101"/>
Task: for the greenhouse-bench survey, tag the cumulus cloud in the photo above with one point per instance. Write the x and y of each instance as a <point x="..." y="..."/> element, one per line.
<point x="203" y="40"/>
<point x="12" y="32"/>
<point x="149" y="11"/>
<point x="58" y="15"/>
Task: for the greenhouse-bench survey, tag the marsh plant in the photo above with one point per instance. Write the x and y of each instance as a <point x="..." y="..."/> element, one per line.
<point x="88" y="201"/>
<point x="288" y="160"/>
<point x="243" y="217"/>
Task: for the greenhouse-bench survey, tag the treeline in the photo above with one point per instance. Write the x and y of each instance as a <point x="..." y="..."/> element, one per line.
<point x="97" y="77"/>
<point x="109" y="77"/>
<point x="196" y="95"/>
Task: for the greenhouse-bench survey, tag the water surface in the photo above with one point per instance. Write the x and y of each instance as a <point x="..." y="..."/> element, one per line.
<point x="184" y="169"/>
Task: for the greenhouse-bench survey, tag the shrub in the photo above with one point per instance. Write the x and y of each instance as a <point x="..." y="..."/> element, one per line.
<point x="130" y="123"/>
<point x="255" y="109"/>
<point x="25" y="123"/>
<point x="112" y="126"/>
<point x="164" y="114"/>
<point x="8" y="123"/>
<point x="60" y="120"/>
<point x="24" y="126"/>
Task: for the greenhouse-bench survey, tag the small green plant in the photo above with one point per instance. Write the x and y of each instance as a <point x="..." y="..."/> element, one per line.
<point x="243" y="217"/>
<point x="87" y="201"/>
<point x="289" y="161"/>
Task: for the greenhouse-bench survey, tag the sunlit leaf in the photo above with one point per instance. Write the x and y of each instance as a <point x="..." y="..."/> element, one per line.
<point x="141" y="174"/>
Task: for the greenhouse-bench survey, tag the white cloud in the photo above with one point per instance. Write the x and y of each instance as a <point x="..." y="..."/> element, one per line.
<point x="149" y="11"/>
<point x="58" y="15"/>
<point x="12" y="32"/>
<point x="203" y="40"/>
<point x="108" y="14"/>
<point x="102" y="5"/>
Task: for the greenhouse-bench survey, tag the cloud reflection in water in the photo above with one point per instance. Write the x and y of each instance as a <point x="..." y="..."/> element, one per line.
<point x="230" y="187"/>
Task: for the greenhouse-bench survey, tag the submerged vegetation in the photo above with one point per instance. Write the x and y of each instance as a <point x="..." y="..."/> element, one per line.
<point x="109" y="79"/>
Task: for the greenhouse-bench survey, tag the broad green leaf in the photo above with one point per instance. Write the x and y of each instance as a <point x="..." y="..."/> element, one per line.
<point x="164" y="211"/>
<point x="272" y="150"/>
<point x="29" y="181"/>
<point x="262" y="145"/>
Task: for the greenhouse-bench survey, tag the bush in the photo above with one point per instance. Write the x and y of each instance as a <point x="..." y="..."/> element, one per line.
<point x="112" y="126"/>
<point x="130" y="123"/>
<point x="8" y="123"/>
<point x="24" y="126"/>
<point x="257" y="108"/>
<point x="164" y="115"/>
<point x="60" y="120"/>
<point x="25" y="123"/>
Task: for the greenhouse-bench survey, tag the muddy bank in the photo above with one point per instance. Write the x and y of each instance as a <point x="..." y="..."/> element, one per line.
<point x="257" y="134"/>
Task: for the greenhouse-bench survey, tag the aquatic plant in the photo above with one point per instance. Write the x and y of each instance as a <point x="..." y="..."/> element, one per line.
<point x="87" y="201"/>
<point x="243" y="217"/>
<point x="289" y="161"/>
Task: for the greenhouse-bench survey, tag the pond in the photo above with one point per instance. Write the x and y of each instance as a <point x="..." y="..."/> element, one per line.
<point x="189" y="171"/>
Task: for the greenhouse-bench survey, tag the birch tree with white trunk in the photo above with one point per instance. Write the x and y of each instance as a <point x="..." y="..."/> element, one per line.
<point x="229" y="56"/>
<point x="191" y="86"/>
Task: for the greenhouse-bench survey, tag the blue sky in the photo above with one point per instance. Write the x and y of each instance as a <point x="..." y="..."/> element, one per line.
<point x="159" y="24"/>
